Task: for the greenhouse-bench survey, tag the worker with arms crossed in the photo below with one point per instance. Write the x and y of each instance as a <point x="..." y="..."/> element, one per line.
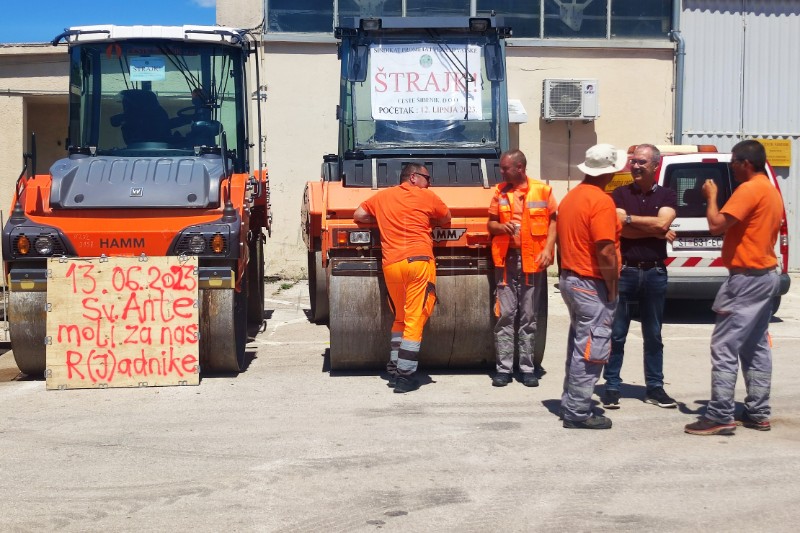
<point x="646" y="211"/>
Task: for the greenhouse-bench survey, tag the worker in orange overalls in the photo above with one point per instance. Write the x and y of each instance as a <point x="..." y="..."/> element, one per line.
<point x="522" y="217"/>
<point x="405" y="215"/>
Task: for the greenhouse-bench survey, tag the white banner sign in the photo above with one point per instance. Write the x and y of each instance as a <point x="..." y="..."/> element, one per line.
<point x="147" y="69"/>
<point x="422" y="81"/>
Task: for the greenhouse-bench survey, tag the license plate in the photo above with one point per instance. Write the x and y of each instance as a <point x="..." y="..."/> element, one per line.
<point x="697" y="243"/>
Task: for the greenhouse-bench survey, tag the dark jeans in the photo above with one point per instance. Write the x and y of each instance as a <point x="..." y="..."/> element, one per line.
<point x="649" y="289"/>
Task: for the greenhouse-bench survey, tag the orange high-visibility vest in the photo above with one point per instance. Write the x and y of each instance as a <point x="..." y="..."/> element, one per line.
<point x="535" y="223"/>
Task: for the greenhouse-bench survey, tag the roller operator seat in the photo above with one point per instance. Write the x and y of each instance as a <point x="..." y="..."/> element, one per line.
<point x="143" y="120"/>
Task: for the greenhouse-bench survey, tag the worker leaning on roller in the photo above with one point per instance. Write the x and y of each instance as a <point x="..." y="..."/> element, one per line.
<point x="522" y="217"/>
<point x="406" y="215"/>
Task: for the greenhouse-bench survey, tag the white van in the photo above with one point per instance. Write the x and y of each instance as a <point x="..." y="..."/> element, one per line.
<point x="694" y="259"/>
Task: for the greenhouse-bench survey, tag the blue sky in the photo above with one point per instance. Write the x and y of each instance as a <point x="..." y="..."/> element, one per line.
<point x="31" y="21"/>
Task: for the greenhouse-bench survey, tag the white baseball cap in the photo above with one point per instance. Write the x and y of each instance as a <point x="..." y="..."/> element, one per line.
<point x="603" y="159"/>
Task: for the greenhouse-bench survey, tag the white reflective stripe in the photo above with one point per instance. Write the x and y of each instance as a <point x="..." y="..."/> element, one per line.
<point x="374" y="173"/>
<point x="534" y="205"/>
<point x="503" y="200"/>
<point x="409" y="345"/>
<point x="485" y="174"/>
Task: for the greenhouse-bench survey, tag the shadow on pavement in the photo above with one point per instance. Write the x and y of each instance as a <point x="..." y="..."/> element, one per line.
<point x="694" y="312"/>
<point x="689" y="312"/>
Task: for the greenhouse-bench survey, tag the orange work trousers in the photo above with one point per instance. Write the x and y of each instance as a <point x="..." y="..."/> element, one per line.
<point x="411" y="284"/>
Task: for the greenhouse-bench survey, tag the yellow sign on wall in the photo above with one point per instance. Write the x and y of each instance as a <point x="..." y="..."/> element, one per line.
<point x="779" y="151"/>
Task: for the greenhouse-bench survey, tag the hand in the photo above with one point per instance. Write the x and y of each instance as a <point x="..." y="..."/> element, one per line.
<point x="545" y="259"/>
<point x="670" y="235"/>
<point x="709" y="189"/>
<point x="621" y="215"/>
<point x="613" y="292"/>
<point x="495" y="227"/>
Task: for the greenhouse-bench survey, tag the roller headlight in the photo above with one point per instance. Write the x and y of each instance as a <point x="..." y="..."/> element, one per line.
<point x="43" y="245"/>
<point x="197" y="244"/>
<point x="360" y="237"/>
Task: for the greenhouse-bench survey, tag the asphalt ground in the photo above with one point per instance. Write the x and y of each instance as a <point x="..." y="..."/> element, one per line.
<point x="286" y="446"/>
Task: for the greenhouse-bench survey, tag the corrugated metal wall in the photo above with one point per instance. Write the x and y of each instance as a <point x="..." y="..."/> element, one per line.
<point x="743" y="80"/>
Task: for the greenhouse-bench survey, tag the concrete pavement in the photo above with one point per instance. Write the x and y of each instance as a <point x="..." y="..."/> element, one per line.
<point x="285" y="446"/>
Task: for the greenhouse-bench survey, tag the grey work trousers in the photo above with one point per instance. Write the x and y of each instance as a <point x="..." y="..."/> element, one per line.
<point x="589" y="343"/>
<point x="518" y="296"/>
<point x="744" y="307"/>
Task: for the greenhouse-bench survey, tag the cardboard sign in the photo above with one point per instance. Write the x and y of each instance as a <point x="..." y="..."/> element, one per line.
<point x="423" y="81"/>
<point x="122" y="322"/>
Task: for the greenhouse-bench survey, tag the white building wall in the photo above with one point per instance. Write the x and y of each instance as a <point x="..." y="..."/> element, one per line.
<point x="635" y="97"/>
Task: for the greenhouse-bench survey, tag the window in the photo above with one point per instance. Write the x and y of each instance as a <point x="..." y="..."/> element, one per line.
<point x="537" y="19"/>
<point x="437" y="8"/>
<point x="307" y="16"/>
<point x="635" y="19"/>
<point x="687" y="180"/>
<point x="370" y="8"/>
<point x="523" y="16"/>
<point x="575" y="18"/>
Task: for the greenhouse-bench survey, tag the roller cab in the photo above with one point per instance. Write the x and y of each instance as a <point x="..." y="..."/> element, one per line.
<point x="429" y="91"/>
<point x="158" y="165"/>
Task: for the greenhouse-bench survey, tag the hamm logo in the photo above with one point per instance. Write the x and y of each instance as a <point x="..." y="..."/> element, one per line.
<point x="447" y="234"/>
<point x="132" y="242"/>
<point x="137" y="192"/>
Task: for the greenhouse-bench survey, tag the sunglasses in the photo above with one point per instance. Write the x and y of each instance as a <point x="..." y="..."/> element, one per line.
<point x="426" y="176"/>
<point x="640" y="162"/>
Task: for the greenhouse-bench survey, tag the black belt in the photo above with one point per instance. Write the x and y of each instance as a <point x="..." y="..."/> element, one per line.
<point x="643" y="265"/>
<point x="751" y="271"/>
<point x="567" y="272"/>
<point x="418" y="258"/>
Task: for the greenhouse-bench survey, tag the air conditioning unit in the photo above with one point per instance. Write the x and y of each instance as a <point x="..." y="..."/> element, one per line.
<point x="570" y="99"/>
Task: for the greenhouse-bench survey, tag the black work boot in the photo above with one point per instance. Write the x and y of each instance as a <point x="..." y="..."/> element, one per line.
<point x="529" y="379"/>
<point x="405" y="384"/>
<point x="501" y="379"/>
<point x="593" y="422"/>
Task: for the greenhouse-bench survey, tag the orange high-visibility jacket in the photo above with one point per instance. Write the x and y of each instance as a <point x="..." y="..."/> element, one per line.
<point x="535" y="223"/>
